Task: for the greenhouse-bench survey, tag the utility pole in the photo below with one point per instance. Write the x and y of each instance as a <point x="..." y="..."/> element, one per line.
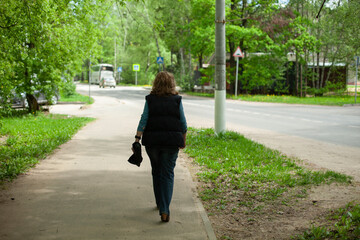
<point x="220" y="67"/>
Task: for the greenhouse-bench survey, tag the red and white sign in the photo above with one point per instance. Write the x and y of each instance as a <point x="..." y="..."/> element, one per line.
<point x="238" y="53"/>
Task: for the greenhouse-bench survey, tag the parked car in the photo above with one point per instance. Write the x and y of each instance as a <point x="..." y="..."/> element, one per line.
<point x="108" y="81"/>
<point x="20" y="100"/>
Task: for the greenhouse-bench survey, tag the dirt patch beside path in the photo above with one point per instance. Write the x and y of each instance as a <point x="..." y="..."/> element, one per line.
<point x="290" y="215"/>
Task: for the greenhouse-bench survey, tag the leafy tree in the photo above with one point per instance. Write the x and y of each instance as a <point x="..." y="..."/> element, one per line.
<point x="264" y="60"/>
<point x="43" y="40"/>
<point x="202" y="29"/>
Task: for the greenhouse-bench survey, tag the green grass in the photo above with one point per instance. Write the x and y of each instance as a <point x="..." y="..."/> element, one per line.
<point x="324" y="100"/>
<point x="346" y="225"/>
<point x="76" y="98"/>
<point x="211" y="95"/>
<point x="25" y="139"/>
<point x="233" y="162"/>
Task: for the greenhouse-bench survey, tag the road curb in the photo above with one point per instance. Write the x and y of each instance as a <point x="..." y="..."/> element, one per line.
<point x="207" y="224"/>
<point x="352" y="105"/>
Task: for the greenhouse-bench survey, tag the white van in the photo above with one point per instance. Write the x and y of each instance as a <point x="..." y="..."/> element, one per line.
<point x="101" y="71"/>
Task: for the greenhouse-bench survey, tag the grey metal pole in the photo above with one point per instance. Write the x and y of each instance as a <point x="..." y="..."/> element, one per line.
<point x="220" y="67"/>
<point x="236" y="80"/>
<point x="135" y="77"/>
<point x="356" y="79"/>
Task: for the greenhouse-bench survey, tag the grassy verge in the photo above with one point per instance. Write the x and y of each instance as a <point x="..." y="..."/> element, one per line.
<point x="77" y="97"/>
<point x="26" y="139"/>
<point x="243" y="179"/>
<point x="325" y="100"/>
<point x="234" y="162"/>
<point x="345" y="224"/>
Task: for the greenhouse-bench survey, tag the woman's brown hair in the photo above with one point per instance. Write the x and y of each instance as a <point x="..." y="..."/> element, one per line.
<point x="164" y="84"/>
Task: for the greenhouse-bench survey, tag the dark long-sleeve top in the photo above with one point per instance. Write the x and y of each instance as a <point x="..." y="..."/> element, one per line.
<point x="145" y="117"/>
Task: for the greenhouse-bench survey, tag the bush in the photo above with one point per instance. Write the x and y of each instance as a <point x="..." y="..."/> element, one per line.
<point x="69" y="89"/>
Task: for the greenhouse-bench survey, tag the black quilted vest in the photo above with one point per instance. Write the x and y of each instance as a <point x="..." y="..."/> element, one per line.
<point x="163" y="127"/>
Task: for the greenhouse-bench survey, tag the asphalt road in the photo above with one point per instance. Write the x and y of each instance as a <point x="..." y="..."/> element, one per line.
<point x="336" y="125"/>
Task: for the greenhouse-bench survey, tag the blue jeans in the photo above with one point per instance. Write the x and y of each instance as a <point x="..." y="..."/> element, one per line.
<point x="163" y="161"/>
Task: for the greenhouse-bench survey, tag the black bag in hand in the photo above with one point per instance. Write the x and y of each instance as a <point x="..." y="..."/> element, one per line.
<point x="136" y="158"/>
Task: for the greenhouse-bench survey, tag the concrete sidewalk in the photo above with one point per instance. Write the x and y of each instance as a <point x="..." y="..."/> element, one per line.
<point x="88" y="190"/>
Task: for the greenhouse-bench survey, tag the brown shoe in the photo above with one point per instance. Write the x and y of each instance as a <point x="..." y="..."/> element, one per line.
<point x="165" y="217"/>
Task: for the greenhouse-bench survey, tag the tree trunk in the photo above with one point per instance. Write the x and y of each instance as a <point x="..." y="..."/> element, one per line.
<point x="318" y="70"/>
<point x="147" y="18"/>
<point x="33" y="103"/>
<point x="306" y="73"/>
<point x="313" y="71"/>
<point x="332" y="64"/>
<point x="148" y="63"/>
<point x="318" y="57"/>
<point x="171" y="57"/>
<point x="190" y="63"/>
<point x="323" y="68"/>
<point x="301" y="80"/>
<point x="296" y="75"/>
<point x="182" y="65"/>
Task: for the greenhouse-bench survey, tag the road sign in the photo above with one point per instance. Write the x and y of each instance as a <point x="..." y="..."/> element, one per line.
<point x="238" y="53"/>
<point x="119" y="69"/>
<point x="136" y="67"/>
<point x="160" y="60"/>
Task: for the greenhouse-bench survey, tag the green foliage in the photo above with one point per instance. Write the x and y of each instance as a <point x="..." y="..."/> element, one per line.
<point x="69" y="89"/>
<point x="207" y="75"/>
<point x="261" y="72"/>
<point x="338" y="88"/>
<point x="201" y="28"/>
<point x="347" y="225"/>
<point x="41" y="40"/>
<point x="233" y="162"/>
<point x="26" y="139"/>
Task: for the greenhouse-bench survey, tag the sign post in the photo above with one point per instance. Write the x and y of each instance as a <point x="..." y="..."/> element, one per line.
<point x="136" y="68"/>
<point x="238" y="53"/>
<point x="160" y="60"/>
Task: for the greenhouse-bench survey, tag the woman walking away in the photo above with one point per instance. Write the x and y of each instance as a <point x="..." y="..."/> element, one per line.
<point x="163" y="130"/>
